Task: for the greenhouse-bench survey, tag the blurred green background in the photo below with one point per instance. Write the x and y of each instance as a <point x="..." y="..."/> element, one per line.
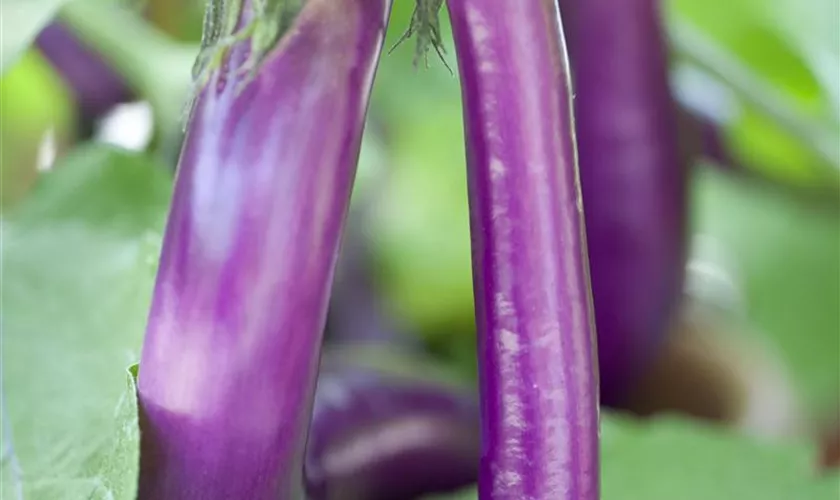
<point x="82" y="219"/>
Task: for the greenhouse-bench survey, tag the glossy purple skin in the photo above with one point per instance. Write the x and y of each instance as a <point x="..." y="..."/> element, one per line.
<point x="234" y="335"/>
<point x="633" y="176"/>
<point x="380" y="437"/>
<point x="537" y="362"/>
<point x="96" y="86"/>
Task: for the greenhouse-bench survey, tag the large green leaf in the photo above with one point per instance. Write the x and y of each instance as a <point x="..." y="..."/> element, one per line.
<point x="668" y="459"/>
<point x="78" y="265"/>
<point x="792" y="44"/>
<point x="675" y="459"/>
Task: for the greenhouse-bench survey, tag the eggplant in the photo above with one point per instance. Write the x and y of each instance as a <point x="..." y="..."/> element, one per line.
<point x="634" y="181"/>
<point x="534" y="318"/>
<point x="380" y="435"/>
<point x="233" y="341"/>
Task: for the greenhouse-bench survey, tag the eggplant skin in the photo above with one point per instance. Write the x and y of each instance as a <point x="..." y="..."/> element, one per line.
<point x="233" y="341"/>
<point x="535" y="326"/>
<point x="381" y="437"/>
<point x="634" y="181"/>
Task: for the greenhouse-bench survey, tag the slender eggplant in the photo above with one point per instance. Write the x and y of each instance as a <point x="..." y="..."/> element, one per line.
<point x="234" y="334"/>
<point x="96" y="86"/>
<point x="536" y="335"/>
<point x="633" y="177"/>
<point x="377" y="435"/>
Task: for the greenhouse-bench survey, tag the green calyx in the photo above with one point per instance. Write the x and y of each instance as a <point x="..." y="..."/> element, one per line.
<point x="268" y="21"/>
<point x="425" y="27"/>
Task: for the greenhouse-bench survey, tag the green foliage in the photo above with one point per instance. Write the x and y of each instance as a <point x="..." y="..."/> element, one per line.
<point x="667" y="459"/>
<point x="780" y="58"/>
<point x="78" y="260"/>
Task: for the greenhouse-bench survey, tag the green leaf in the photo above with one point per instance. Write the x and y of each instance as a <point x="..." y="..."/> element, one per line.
<point x="669" y="458"/>
<point x="676" y="459"/>
<point x="78" y="263"/>
<point x="780" y="58"/>
<point x="816" y="45"/>
<point x="758" y="33"/>
<point x="20" y="23"/>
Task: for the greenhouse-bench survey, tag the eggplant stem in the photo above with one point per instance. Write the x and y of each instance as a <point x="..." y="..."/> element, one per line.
<point x="425" y="25"/>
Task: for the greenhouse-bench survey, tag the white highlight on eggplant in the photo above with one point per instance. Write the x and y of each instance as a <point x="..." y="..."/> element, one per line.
<point x="510" y="342"/>
<point x="189" y="387"/>
<point x="504" y="307"/>
<point x="333" y="393"/>
<point x="217" y="201"/>
<point x="410" y="432"/>
<point x="481" y="33"/>
<point x="505" y="479"/>
<point x="513" y="414"/>
<point x="497" y="168"/>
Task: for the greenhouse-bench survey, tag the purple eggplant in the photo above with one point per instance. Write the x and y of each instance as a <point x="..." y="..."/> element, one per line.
<point x="96" y="86"/>
<point x="233" y="340"/>
<point x="381" y="436"/>
<point x="537" y="360"/>
<point x="633" y="177"/>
